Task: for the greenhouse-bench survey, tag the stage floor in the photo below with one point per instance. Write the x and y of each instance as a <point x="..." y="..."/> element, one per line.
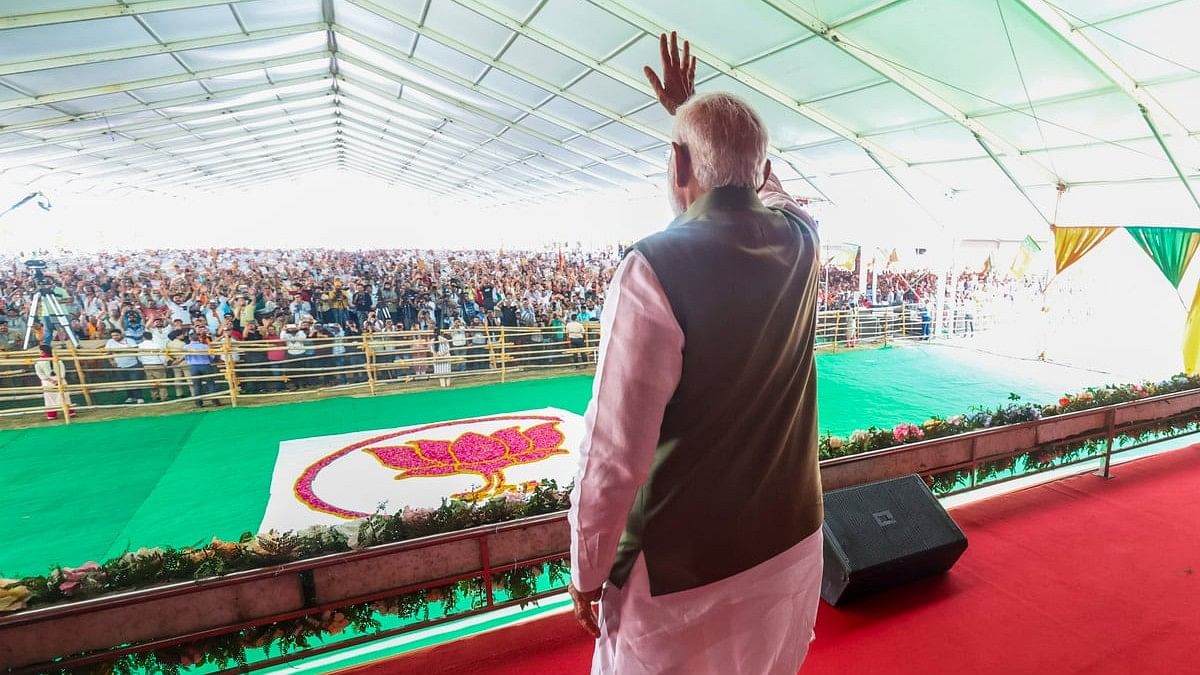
<point x="1080" y="576"/>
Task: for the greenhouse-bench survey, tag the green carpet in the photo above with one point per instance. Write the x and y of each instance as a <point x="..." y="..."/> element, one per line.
<point x="89" y="491"/>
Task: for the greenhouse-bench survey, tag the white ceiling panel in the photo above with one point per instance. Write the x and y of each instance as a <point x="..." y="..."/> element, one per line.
<point x="731" y="31"/>
<point x="467" y="27"/>
<point x="812" y="69"/>
<point x="264" y="14"/>
<point x="604" y="33"/>
<point x="886" y="106"/>
<point x="44" y="42"/>
<point x="258" y="50"/>
<point x="71" y="78"/>
<point x="541" y="61"/>
<point x="189" y="24"/>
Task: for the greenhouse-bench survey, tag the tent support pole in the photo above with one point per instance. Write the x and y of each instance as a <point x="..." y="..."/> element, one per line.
<point x="1167" y="151"/>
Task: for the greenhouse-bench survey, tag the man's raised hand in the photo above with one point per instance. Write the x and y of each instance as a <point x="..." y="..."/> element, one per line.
<point x="678" y="81"/>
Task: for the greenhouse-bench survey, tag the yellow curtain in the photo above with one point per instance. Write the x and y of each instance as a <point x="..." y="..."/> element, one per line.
<point x="1191" y="337"/>
<point x="1072" y="243"/>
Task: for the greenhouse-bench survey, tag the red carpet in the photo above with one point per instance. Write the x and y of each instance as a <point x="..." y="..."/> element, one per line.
<point x="1078" y="576"/>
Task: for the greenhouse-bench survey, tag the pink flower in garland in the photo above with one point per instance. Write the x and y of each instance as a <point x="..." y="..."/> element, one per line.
<point x="904" y="433"/>
<point x="73" y="577"/>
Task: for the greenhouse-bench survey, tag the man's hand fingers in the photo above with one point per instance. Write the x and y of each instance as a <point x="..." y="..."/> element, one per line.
<point x="665" y="51"/>
<point x="655" y="83"/>
<point x="674" y="50"/>
<point x="585" y="613"/>
<point x="687" y="56"/>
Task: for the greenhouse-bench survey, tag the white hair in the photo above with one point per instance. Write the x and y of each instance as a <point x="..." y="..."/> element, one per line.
<point x="725" y="138"/>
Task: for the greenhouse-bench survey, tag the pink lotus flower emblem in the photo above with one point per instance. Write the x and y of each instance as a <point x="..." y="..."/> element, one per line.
<point x="474" y="453"/>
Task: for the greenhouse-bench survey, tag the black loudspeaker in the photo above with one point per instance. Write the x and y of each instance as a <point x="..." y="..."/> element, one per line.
<point x="885" y="534"/>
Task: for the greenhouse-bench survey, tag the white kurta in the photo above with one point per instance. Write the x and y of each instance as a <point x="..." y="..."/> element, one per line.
<point x="758" y="622"/>
<point x="44" y="368"/>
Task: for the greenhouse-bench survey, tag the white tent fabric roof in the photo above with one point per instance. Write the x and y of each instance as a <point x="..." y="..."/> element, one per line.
<point x="983" y="107"/>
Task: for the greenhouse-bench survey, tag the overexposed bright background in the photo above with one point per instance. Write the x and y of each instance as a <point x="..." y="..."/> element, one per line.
<point x="325" y="209"/>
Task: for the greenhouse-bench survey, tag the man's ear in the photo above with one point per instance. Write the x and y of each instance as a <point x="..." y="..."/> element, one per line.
<point x="683" y="164"/>
<point x="766" y="174"/>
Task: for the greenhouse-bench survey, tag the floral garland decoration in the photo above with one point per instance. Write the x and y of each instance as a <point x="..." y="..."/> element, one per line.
<point x="151" y="566"/>
<point x="1014" y="412"/>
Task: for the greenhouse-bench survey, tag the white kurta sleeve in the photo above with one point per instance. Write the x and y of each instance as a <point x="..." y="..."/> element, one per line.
<point x="641" y="356"/>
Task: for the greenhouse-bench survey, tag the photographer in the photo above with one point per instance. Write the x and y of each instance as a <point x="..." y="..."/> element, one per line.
<point x="339" y="303"/>
<point x="408" y="309"/>
<point x="363" y="303"/>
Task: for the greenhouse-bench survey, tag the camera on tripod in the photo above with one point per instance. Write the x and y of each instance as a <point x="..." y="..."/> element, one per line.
<point x="38" y="267"/>
<point x="45" y="308"/>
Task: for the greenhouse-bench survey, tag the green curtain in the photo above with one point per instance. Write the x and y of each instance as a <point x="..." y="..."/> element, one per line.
<point x="1171" y="248"/>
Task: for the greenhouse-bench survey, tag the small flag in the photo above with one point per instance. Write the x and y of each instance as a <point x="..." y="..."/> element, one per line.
<point x="1024" y="259"/>
<point x="842" y="256"/>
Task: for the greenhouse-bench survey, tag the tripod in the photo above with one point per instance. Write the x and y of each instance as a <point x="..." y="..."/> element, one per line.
<point x="43" y="307"/>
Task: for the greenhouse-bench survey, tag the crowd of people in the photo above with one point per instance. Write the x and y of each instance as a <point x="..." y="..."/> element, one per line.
<point x="840" y="288"/>
<point x="159" y="313"/>
<point x="166" y="316"/>
<point x="230" y="290"/>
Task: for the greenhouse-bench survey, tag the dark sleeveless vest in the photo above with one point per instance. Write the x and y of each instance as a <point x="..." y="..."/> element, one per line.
<point x="734" y="480"/>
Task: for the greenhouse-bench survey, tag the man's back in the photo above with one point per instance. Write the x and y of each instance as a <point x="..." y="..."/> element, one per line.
<point x="738" y="444"/>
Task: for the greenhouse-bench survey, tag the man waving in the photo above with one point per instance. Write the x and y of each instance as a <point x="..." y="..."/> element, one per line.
<point x="696" y="516"/>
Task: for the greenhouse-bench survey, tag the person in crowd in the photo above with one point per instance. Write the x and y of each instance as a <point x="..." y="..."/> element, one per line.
<point x="276" y="356"/>
<point x="441" y="358"/>
<point x="152" y="355"/>
<point x="125" y="360"/>
<point x="363" y="303"/>
<point x="8" y="340"/>
<point x="133" y="324"/>
<point x="338" y="351"/>
<point x="253" y="358"/>
<point x="575" y="337"/>
<point x="176" y="341"/>
<point x="458" y="344"/>
<point x="199" y="360"/>
<point x="478" y="352"/>
<point x="48" y="377"/>
<point x="297" y="349"/>
<point x="677" y="433"/>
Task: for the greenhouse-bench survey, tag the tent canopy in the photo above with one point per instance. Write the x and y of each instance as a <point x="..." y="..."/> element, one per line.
<point x="989" y="106"/>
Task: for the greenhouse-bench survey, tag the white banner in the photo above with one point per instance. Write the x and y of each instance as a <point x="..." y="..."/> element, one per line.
<point x="327" y="480"/>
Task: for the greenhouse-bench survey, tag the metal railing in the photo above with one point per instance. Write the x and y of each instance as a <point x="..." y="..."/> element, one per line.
<point x="241" y="371"/>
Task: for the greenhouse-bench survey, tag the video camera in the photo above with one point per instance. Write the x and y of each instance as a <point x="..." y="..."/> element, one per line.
<point x="38" y="267"/>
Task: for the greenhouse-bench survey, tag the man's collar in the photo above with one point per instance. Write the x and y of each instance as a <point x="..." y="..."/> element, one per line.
<point x="728" y="198"/>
